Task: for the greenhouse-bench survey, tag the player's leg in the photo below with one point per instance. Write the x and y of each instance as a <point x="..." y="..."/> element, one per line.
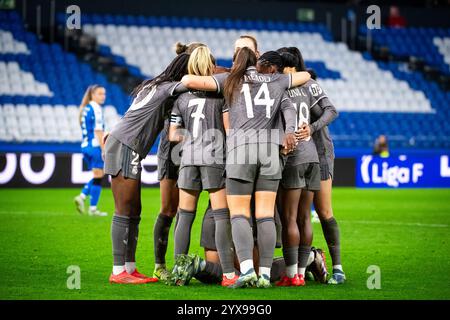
<point x="306" y="232"/>
<point x="124" y="192"/>
<point x="186" y="216"/>
<point x="290" y="199"/>
<point x="169" y="195"/>
<point x="125" y="186"/>
<point x="211" y="269"/>
<point x="322" y="203"/>
<point x="223" y="238"/>
<point x="133" y="235"/>
<point x="86" y="191"/>
<point x="239" y="193"/>
<point x="96" y="188"/>
<point x="206" y="270"/>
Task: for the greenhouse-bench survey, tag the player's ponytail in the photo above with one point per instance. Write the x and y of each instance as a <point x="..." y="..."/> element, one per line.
<point x="201" y="62"/>
<point x="86" y="98"/>
<point x="187" y="48"/>
<point x="243" y="58"/>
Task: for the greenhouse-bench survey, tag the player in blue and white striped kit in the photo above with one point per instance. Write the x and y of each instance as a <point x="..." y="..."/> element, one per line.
<point x="92" y="127"/>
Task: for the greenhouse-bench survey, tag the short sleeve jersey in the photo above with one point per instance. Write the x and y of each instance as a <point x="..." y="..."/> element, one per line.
<point x="255" y="109"/>
<point x="144" y="120"/>
<point x="200" y="113"/>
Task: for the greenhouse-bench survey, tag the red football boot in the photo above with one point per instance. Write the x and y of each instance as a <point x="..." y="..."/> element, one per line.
<point x="284" y="282"/>
<point x="139" y="275"/>
<point x="125" y="278"/>
<point x="297" y="281"/>
<point x="228" y="282"/>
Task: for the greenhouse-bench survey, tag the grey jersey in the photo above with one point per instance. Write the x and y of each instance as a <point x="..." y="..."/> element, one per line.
<point x="200" y="113"/>
<point x="144" y="120"/>
<point x="322" y="113"/>
<point x="164" y="146"/>
<point x="255" y="111"/>
<point x="306" y="149"/>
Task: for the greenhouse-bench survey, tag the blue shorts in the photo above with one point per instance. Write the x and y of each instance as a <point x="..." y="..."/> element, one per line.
<point x="93" y="157"/>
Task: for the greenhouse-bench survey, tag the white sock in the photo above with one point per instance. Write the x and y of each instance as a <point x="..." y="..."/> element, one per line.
<point x="82" y="196"/>
<point x="130" y="267"/>
<point x="264" y="271"/>
<point x="118" y="270"/>
<point x="229" y="275"/>
<point x="310" y="258"/>
<point x="339" y="267"/>
<point x="291" y="271"/>
<point x="202" y="265"/>
<point x="246" y="266"/>
<point x="92" y="208"/>
<point x="301" y="271"/>
<point x="162" y="265"/>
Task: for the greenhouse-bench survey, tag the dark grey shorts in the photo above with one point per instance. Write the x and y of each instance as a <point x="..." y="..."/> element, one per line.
<point x="302" y="176"/>
<point x="167" y="169"/>
<point x="120" y="158"/>
<point x="242" y="187"/>
<point x="201" y="178"/>
<point x="208" y="236"/>
<point x="251" y="161"/>
<point x="326" y="168"/>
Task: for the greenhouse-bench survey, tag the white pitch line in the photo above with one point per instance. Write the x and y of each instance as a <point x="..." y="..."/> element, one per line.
<point x="394" y="223"/>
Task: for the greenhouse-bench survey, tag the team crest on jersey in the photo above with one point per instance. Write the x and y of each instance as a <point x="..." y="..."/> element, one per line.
<point x="315" y="89"/>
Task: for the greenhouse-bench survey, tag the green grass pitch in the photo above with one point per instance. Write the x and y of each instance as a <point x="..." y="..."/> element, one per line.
<point x="403" y="232"/>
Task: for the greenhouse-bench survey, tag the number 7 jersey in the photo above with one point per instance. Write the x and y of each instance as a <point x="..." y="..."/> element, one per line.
<point x="200" y="113"/>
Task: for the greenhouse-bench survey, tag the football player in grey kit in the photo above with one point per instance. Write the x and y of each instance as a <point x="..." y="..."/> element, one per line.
<point x="202" y="163"/>
<point x="322" y="114"/>
<point x="301" y="177"/>
<point x="167" y="176"/>
<point x="254" y="101"/>
<point x="128" y="143"/>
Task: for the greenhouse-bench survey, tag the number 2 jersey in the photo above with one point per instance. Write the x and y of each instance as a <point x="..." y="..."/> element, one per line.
<point x="255" y="114"/>
<point x="200" y="113"/>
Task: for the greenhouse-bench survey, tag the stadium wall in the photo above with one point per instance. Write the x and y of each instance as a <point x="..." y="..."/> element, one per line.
<point x="56" y="170"/>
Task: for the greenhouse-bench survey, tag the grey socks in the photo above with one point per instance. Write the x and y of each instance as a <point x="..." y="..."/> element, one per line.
<point x="161" y="237"/>
<point x="211" y="275"/>
<point x="224" y="241"/>
<point x="331" y="232"/>
<point x="303" y="255"/>
<point x="242" y="237"/>
<point x="267" y="237"/>
<point x="183" y="231"/>
<point x="119" y="236"/>
<point x="290" y="255"/>
<point x="133" y="234"/>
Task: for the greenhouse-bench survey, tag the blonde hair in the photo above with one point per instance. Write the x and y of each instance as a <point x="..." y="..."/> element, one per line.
<point x="87" y="98"/>
<point x="201" y="62"/>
